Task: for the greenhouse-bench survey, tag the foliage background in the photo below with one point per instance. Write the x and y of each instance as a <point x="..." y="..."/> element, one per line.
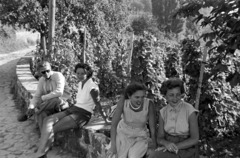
<point x="9" y="41"/>
<point x="167" y="44"/>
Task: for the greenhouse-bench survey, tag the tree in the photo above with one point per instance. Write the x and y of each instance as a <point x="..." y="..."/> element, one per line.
<point x="143" y="24"/>
<point x="105" y="23"/>
<point x="219" y="102"/>
<point x="137" y="5"/>
<point x="33" y="15"/>
<point x="164" y="11"/>
<point x="29" y="14"/>
<point x="223" y="21"/>
<point x="147" y="5"/>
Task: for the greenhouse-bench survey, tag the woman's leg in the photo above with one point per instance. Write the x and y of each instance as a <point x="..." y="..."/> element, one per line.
<point x="161" y="154"/>
<point x="138" y="150"/>
<point x="56" y="123"/>
<point x="64" y="124"/>
<point x="40" y="118"/>
<point x="47" y="132"/>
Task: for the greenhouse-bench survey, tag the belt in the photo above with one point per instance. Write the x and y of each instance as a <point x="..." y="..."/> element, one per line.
<point x="132" y="127"/>
<point x="179" y="136"/>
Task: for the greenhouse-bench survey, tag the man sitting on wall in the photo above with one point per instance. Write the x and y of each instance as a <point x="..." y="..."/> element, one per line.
<point x="50" y="97"/>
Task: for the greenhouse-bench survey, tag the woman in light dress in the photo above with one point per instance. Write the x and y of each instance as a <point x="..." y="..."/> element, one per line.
<point x="130" y="137"/>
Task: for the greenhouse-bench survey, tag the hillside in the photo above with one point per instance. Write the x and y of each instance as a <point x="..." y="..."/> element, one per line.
<point x="11" y="41"/>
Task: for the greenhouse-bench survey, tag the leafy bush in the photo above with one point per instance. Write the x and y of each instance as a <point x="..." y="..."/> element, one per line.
<point x="8" y="41"/>
<point x="219" y="109"/>
<point x="144" y="23"/>
<point x="147" y="65"/>
<point x="153" y="60"/>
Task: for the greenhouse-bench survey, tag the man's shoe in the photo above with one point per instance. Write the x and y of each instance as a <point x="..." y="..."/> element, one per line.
<point x="22" y="117"/>
<point x="43" y="156"/>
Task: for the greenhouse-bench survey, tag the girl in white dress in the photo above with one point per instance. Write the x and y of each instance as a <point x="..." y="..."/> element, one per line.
<point x="130" y="137"/>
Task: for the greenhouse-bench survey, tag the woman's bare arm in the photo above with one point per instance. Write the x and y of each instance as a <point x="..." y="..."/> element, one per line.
<point x="194" y="133"/>
<point x="116" y="118"/>
<point x="96" y="98"/>
<point x="152" y="122"/>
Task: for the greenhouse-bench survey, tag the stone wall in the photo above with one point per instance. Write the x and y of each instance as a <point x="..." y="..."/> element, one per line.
<point x="89" y="142"/>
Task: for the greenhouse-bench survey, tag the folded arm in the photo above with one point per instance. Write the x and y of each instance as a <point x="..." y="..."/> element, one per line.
<point x="58" y="92"/>
<point x="194" y="133"/>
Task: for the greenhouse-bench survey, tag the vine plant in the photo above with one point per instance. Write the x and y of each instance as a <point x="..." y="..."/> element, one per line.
<point x="219" y="111"/>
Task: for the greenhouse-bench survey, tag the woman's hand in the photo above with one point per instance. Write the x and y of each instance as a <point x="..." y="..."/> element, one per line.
<point x="162" y="148"/>
<point x="152" y="145"/>
<point x="171" y="147"/>
<point x="151" y="148"/>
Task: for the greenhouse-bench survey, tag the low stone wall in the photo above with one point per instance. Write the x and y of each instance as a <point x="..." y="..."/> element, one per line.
<point x="89" y="142"/>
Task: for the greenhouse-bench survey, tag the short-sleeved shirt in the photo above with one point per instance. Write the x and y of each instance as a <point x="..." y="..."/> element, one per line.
<point x="84" y="98"/>
<point x="176" y="120"/>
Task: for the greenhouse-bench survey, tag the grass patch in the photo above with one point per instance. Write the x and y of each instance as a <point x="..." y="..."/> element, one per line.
<point x="9" y="41"/>
<point x="10" y="45"/>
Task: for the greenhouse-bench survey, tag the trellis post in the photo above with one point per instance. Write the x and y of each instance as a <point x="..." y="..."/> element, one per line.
<point x="201" y="77"/>
<point x="129" y="61"/>
<point x="84" y="46"/>
<point x="51" y="32"/>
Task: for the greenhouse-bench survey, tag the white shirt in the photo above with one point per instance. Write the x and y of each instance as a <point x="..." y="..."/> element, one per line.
<point x="84" y="98"/>
<point x="49" y="88"/>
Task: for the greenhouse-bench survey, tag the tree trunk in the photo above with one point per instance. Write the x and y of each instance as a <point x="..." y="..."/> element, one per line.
<point x="201" y="77"/>
<point x="43" y="45"/>
<point x="84" y="46"/>
<point x="51" y="33"/>
<point x="129" y="62"/>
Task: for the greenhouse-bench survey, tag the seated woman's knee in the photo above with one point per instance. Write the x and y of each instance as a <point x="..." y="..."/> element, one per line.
<point x="49" y="120"/>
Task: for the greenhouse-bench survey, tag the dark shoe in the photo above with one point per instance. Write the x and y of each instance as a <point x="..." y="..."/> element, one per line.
<point x="43" y="156"/>
<point x="22" y="117"/>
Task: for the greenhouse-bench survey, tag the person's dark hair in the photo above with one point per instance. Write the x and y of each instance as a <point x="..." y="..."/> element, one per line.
<point x="172" y="83"/>
<point x="86" y="68"/>
<point x="132" y="88"/>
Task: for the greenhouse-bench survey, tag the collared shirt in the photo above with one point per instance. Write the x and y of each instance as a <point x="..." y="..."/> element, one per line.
<point x="84" y="98"/>
<point x="49" y="88"/>
<point x="176" y="120"/>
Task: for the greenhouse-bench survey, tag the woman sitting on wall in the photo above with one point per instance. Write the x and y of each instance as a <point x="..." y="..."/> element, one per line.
<point x="178" y="125"/>
<point x="129" y="135"/>
<point x="75" y="116"/>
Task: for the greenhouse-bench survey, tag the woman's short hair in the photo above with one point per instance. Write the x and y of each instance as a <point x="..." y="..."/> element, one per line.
<point x="86" y="68"/>
<point x="132" y="88"/>
<point x="172" y="83"/>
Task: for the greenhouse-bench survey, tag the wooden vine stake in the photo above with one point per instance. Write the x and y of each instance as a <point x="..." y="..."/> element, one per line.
<point x="129" y="61"/>
<point x="51" y="33"/>
<point x="84" y="46"/>
<point x="201" y="77"/>
<point x="43" y="46"/>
